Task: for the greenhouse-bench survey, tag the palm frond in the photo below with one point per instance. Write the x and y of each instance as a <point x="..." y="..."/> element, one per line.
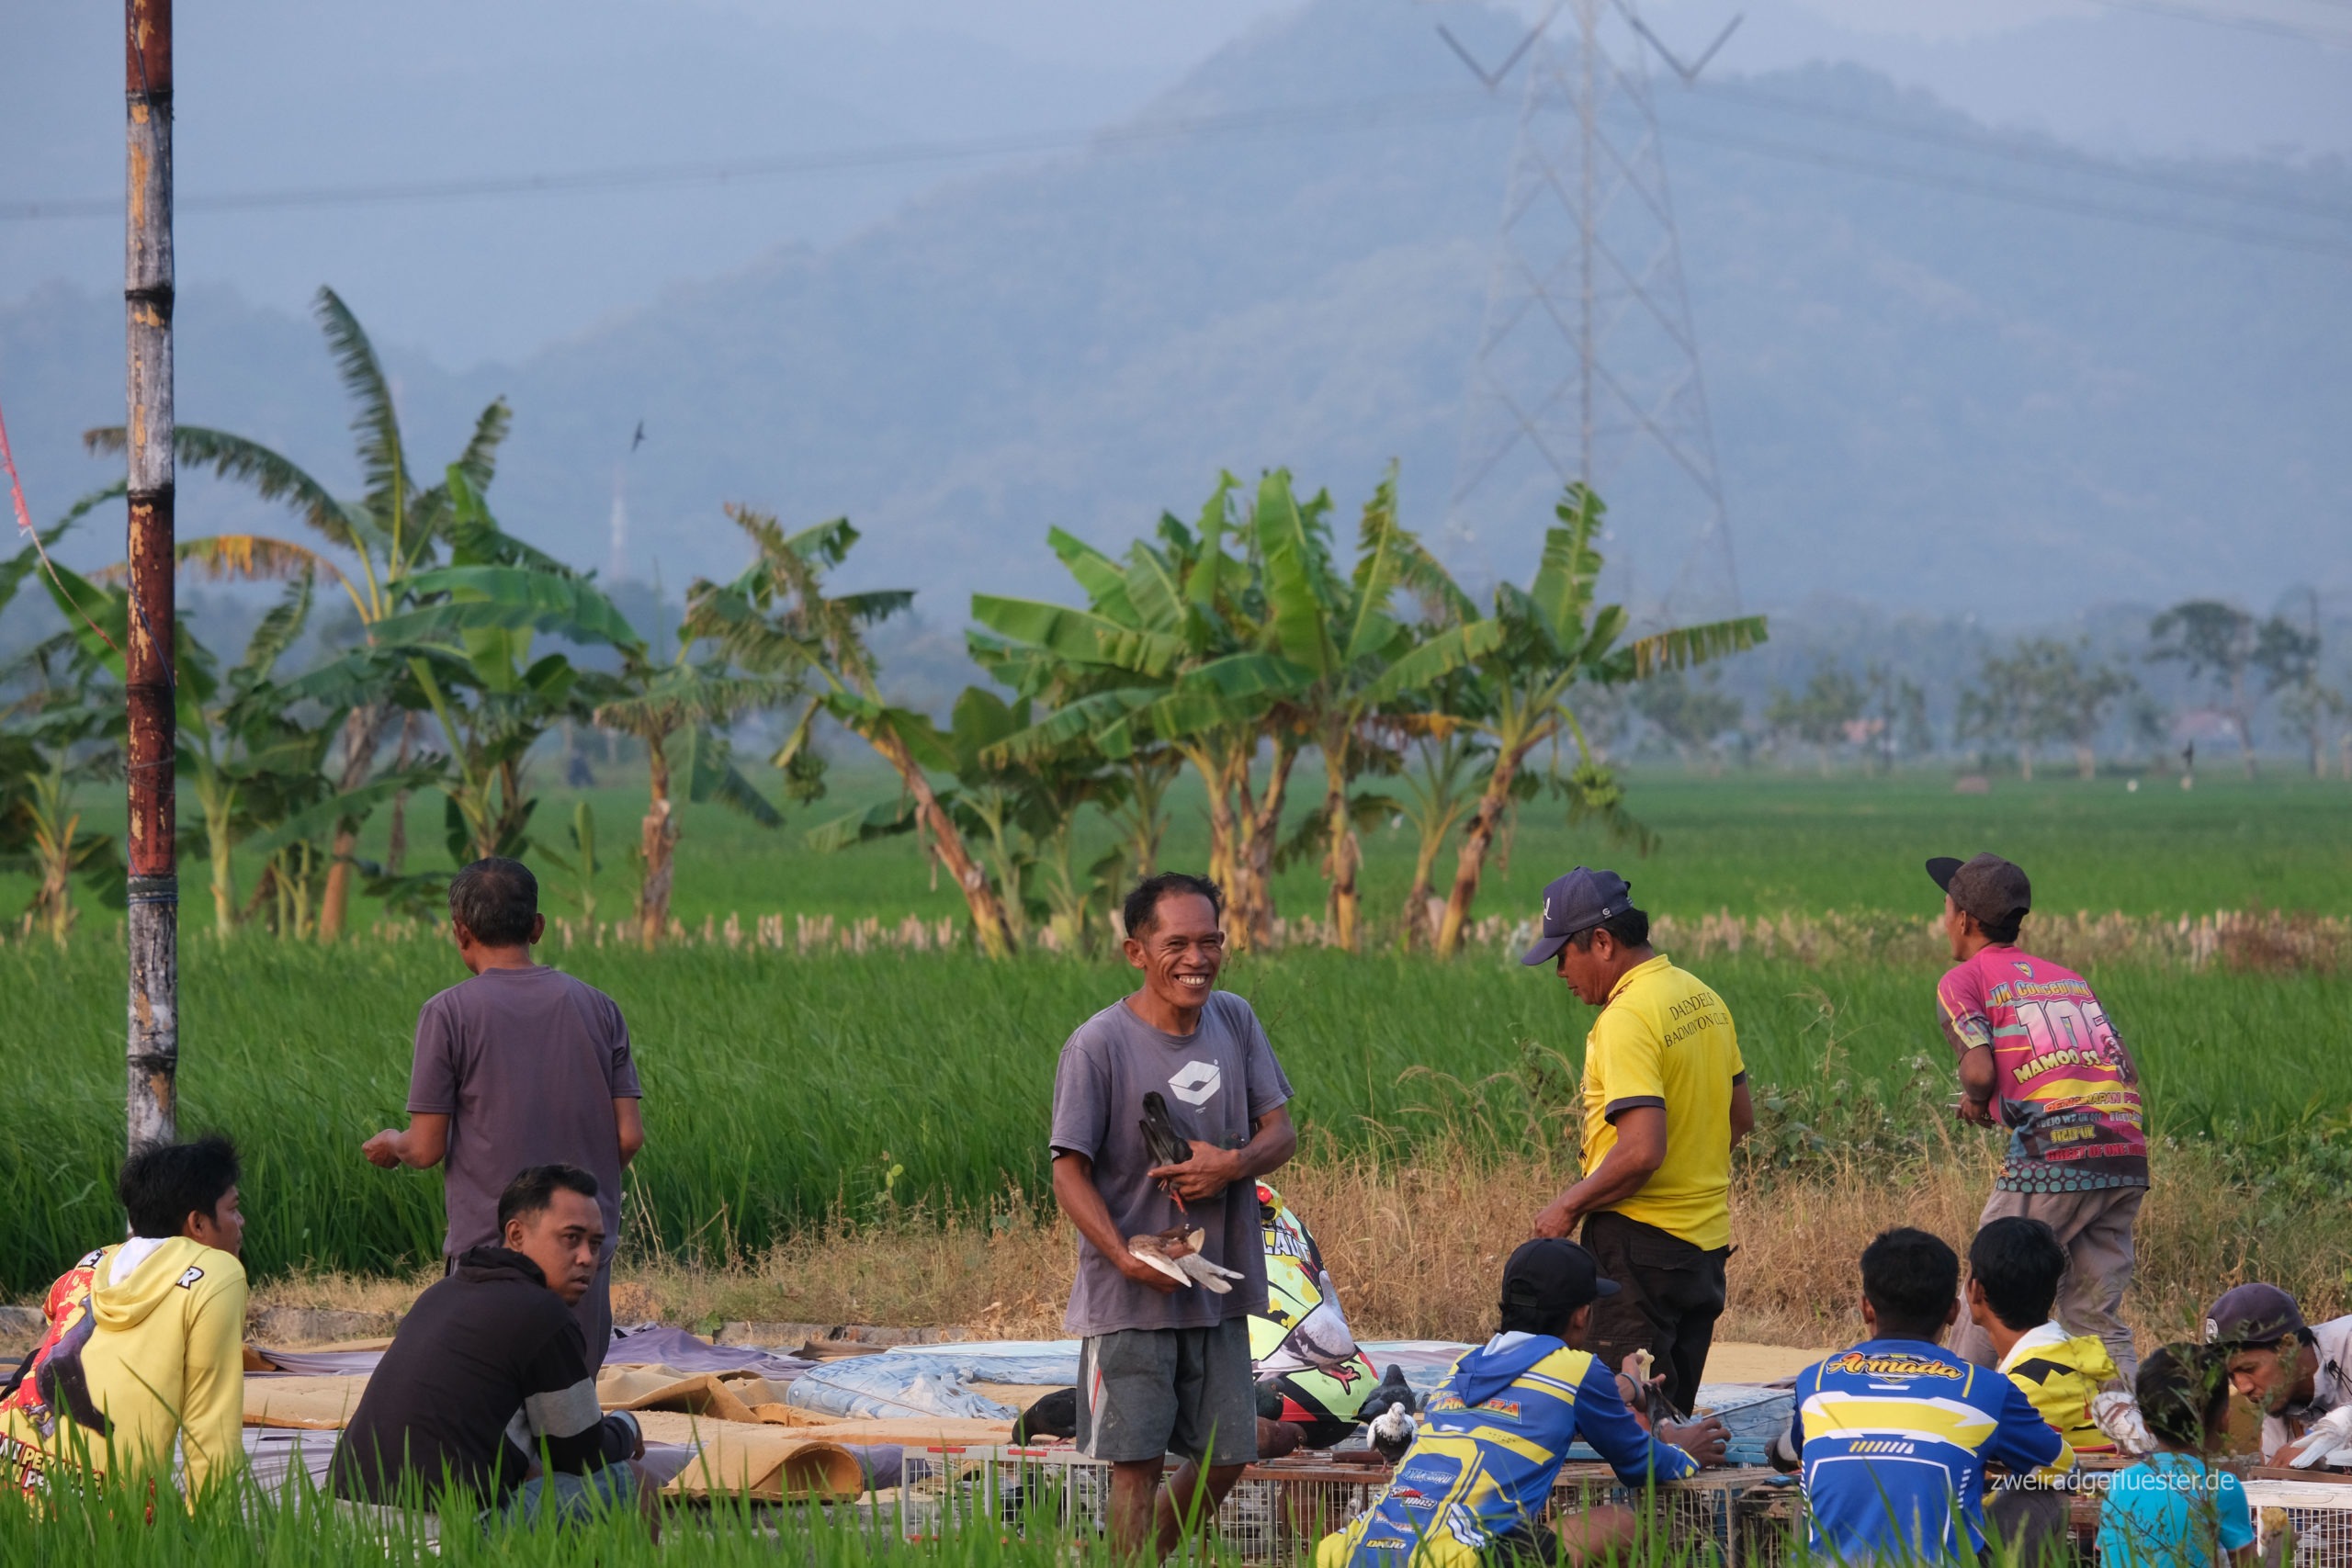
<point x="1686" y="645"/>
<point x="278" y="632"/>
<point x="376" y="423"/>
<point x="713" y="778"/>
<point x="1096" y="572"/>
<point x="883" y="821"/>
<point x="479" y="461"/>
<point x="1300" y="612"/>
<point x="16" y="568"/>
<point x="253" y="557"/>
<point x="1562" y="592"/>
<point x="507" y="598"/>
<point x="1207" y="580"/>
<point x="272" y="477"/>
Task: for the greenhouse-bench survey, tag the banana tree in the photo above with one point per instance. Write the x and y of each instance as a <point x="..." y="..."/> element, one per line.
<point x="674" y="707"/>
<point x="1172" y="649"/>
<point x="245" y="750"/>
<point x="1444" y="775"/>
<point x="1551" y="637"/>
<point x="57" y="739"/>
<point x="1026" y="808"/>
<point x="775" y="619"/>
<point x="392" y="531"/>
<point x="1360" y="659"/>
<point x="65" y="731"/>
<point x="1138" y="805"/>
<point x="464" y="653"/>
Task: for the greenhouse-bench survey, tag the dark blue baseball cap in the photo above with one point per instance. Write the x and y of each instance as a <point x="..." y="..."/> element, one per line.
<point x="1577" y="902"/>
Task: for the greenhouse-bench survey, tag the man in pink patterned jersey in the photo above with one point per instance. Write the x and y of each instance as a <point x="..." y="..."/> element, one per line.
<point x="2037" y="1055"/>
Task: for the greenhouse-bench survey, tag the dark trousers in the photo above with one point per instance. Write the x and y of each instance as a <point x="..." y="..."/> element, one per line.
<point x="1669" y="1294"/>
<point x="1525" y="1545"/>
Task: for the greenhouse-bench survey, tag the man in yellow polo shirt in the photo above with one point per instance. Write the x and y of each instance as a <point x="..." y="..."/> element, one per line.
<point x="1665" y="1099"/>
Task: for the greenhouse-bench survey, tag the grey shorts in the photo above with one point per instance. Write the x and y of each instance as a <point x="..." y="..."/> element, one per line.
<point x="1147" y="1393"/>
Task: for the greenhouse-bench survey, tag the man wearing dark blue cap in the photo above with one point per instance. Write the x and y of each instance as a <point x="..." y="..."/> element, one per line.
<point x="1475" y="1490"/>
<point x="2299" y="1376"/>
<point x="1665" y="1099"/>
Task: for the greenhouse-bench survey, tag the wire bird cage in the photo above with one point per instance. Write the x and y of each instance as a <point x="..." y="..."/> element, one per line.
<point x="2309" y="1519"/>
<point x="1278" y="1511"/>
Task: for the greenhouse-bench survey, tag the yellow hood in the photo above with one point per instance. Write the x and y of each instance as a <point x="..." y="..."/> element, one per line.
<point x="178" y="1263"/>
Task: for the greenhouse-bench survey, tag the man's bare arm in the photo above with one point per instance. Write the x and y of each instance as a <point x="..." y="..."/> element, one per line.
<point x="1272" y="1140"/>
<point x="629" y="1120"/>
<point x="419" y="1148"/>
<point x="1640" y="1150"/>
<point x="1743" y="1112"/>
<point x="1082" y="1201"/>
<point x="1980" y="1076"/>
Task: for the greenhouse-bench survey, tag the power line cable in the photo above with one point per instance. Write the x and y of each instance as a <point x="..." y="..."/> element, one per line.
<point x="1370" y="113"/>
<point x="2268" y="26"/>
<point x="2051" y="201"/>
<point x="1365" y="112"/>
<point x="2023" y="152"/>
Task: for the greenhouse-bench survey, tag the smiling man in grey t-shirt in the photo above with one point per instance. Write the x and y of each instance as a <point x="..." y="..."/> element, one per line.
<point x="1165" y="1368"/>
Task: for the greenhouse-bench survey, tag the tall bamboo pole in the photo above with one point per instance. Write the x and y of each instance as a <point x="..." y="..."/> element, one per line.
<point x="151" y="1052"/>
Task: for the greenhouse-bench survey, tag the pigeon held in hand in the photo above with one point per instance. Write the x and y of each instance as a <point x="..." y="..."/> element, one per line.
<point x="1176" y="1253"/>
<point x="1161" y="1139"/>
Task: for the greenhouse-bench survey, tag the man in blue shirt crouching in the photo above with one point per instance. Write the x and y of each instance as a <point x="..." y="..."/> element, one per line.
<point x="1479" y="1474"/>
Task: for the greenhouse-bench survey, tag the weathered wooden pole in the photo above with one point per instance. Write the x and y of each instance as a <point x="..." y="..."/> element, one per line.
<point x="152" y="1051"/>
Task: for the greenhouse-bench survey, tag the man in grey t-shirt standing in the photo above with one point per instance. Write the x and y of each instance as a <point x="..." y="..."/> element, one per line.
<point x="1165" y="1368"/>
<point x="520" y="1065"/>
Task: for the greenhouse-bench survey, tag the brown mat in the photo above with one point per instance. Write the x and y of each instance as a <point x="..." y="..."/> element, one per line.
<point x="321" y="1404"/>
<point x="1020" y="1396"/>
<point x="921" y="1431"/>
<point x="1734" y="1360"/>
<point x="723" y="1397"/>
<point x="739" y="1458"/>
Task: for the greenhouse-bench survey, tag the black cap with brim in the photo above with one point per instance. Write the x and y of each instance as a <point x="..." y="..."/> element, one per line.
<point x="1994" y="890"/>
<point x="1552" y="1276"/>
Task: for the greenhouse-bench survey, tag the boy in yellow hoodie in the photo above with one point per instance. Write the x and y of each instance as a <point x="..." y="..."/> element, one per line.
<point x="145" y="1339"/>
<point x="2015" y="1267"/>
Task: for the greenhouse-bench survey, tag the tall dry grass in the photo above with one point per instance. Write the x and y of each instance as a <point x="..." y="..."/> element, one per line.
<point x="1415" y="1246"/>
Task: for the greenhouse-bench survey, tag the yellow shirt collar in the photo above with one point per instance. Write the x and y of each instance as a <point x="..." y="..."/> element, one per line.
<point x="1627" y="979"/>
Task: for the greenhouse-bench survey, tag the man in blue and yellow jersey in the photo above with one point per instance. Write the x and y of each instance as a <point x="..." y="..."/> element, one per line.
<point x="1664" y="1099"/>
<point x="1478" y="1476"/>
<point x="1894" y="1434"/>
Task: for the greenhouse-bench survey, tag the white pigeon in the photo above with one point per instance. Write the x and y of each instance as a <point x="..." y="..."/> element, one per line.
<point x="2118" y="1414"/>
<point x="1392" y="1432"/>
<point x="1153" y="1251"/>
<point x="2326" y="1441"/>
<point x="1176" y="1252"/>
<point x="1211" y="1275"/>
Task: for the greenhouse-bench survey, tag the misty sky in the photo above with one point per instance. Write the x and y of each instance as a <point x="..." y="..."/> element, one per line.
<point x="289" y="94"/>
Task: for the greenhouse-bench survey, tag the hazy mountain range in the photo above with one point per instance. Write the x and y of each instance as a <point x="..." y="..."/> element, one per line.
<point x="1953" y="373"/>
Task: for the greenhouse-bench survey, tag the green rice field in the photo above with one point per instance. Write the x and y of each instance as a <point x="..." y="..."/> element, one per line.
<point x="782" y="1087"/>
<point x="1753" y="842"/>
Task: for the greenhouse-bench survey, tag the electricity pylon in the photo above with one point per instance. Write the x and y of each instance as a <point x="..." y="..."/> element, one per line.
<point x="1586" y="366"/>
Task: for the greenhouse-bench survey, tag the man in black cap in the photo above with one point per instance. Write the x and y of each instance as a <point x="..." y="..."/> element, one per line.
<point x="2298" y="1376"/>
<point x="2038" y="1054"/>
<point x="1478" y="1481"/>
<point x="1665" y="1099"/>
